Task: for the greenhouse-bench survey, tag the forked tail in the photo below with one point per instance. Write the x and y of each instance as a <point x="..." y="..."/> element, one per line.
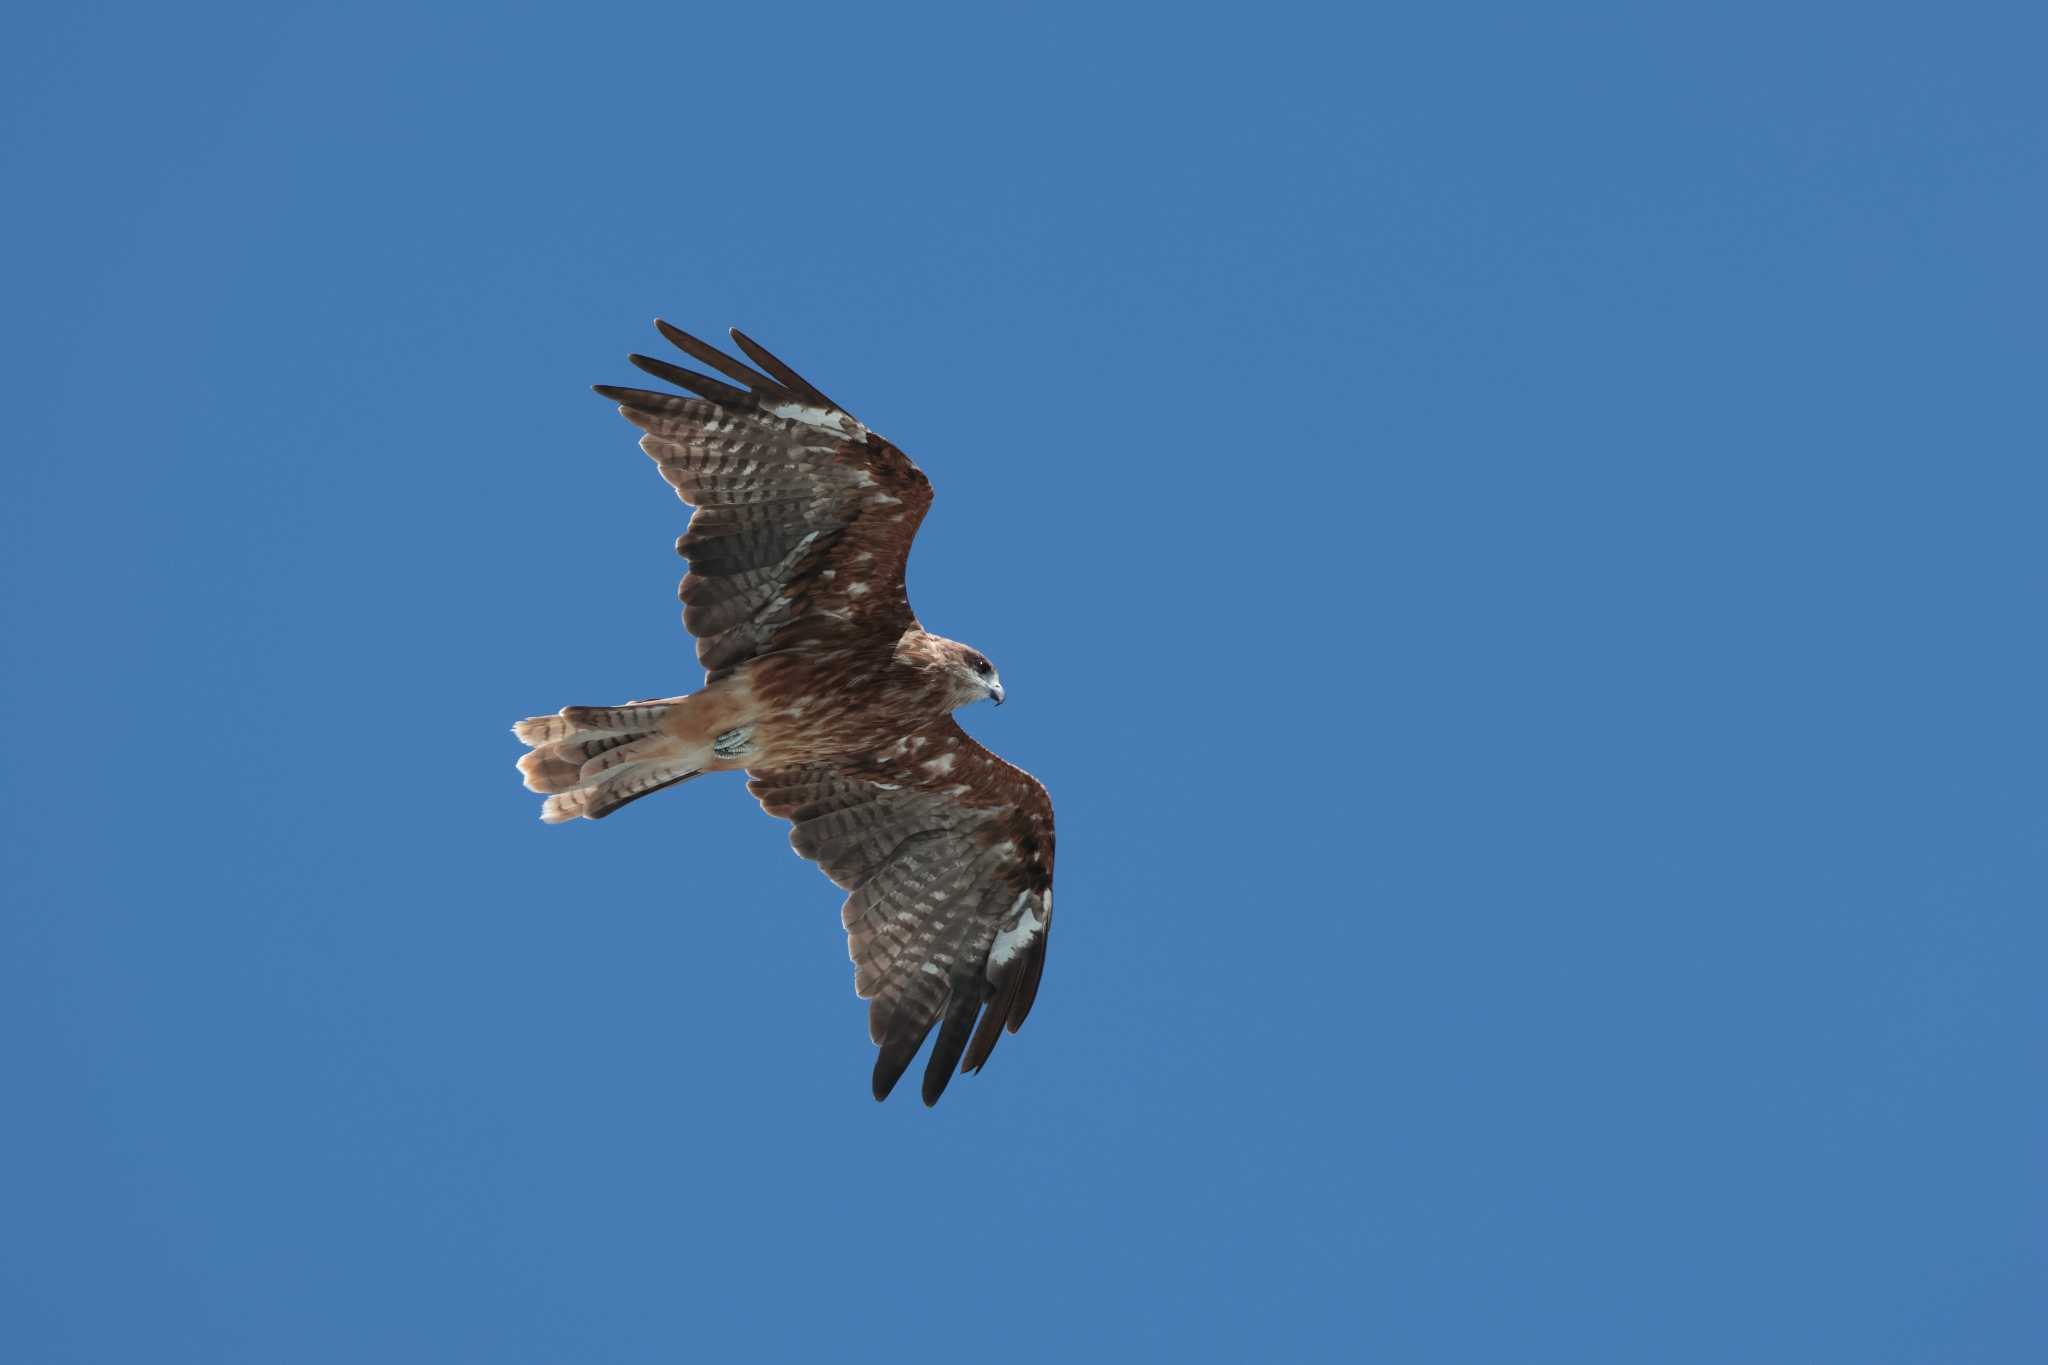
<point x="593" y="759"/>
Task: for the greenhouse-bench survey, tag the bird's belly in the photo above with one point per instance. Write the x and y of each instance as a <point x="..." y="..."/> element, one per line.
<point x="819" y="731"/>
<point x="811" y="708"/>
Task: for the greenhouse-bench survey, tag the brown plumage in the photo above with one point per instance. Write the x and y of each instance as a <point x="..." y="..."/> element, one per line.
<point x="823" y="687"/>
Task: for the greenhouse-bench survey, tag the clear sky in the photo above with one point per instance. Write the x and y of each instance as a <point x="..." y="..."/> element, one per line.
<point x="1514" y="538"/>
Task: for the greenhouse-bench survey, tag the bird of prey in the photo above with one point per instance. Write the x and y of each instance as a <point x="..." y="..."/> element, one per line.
<point x="821" y="685"/>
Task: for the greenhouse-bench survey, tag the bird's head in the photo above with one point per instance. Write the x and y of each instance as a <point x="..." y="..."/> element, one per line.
<point x="971" y="674"/>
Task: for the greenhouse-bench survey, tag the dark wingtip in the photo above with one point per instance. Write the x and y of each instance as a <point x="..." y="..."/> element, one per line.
<point x="957" y="1025"/>
<point x="703" y="384"/>
<point x="902" y="1047"/>
<point x="716" y="359"/>
<point x="1034" y="970"/>
<point x="1000" y="1007"/>
<point x="788" y="378"/>
<point x="895" y="1060"/>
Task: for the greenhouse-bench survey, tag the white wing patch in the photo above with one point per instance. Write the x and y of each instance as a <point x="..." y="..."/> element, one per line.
<point x="1010" y="940"/>
<point x="810" y="416"/>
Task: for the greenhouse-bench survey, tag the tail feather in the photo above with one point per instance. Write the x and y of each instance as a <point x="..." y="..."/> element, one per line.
<point x="601" y="799"/>
<point x="543" y="729"/>
<point x="662" y="750"/>
<point x="558" y="765"/>
<point x="638" y="718"/>
<point x="591" y="760"/>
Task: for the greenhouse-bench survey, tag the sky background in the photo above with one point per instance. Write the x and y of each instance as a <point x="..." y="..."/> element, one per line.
<point x="1515" y="541"/>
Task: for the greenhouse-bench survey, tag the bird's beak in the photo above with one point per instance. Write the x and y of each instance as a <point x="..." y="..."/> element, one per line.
<point x="995" y="692"/>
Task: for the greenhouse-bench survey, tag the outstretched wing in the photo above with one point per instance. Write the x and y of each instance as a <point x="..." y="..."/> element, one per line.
<point x="947" y="851"/>
<point x="804" y="517"/>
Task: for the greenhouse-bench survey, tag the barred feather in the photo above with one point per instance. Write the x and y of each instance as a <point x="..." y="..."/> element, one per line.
<point x="797" y="502"/>
<point x="946" y="852"/>
<point x="591" y="760"/>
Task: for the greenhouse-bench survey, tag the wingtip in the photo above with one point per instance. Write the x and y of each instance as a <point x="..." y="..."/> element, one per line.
<point x="717" y="390"/>
<point x="784" y="375"/>
<point x="754" y="349"/>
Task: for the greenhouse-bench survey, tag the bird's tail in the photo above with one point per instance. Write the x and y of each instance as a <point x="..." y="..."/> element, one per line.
<point x="591" y="760"/>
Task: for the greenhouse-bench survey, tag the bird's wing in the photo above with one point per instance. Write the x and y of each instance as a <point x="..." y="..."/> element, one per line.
<point x="947" y="853"/>
<point x="804" y="517"/>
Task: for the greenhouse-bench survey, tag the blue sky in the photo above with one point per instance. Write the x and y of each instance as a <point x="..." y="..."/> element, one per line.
<point x="1513" y="539"/>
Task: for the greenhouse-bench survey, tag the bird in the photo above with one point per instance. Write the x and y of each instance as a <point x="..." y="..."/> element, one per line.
<point x="822" y="686"/>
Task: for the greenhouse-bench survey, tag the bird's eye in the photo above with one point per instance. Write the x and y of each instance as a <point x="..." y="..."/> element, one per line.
<point x="981" y="665"/>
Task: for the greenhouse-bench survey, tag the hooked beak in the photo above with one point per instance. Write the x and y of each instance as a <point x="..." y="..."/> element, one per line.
<point x="995" y="692"/>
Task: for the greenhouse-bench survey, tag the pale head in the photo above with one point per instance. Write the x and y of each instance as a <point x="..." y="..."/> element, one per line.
<point x="967" y="674"/>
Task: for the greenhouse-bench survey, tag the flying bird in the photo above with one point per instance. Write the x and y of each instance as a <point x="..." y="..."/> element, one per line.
<point x="821" y="685"/>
